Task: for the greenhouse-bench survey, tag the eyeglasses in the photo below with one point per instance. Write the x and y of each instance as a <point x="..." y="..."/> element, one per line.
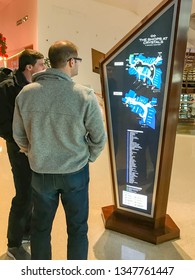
<point x="75" y="58"/>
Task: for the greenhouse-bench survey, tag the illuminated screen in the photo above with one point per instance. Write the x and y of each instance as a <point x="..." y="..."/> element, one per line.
<point x="135" y="81"/>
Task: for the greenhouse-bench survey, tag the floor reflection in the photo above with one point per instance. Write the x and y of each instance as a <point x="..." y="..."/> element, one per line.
<point x="115" y="246"/>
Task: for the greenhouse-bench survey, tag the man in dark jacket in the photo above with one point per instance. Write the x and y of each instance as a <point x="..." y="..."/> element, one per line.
<point x="30" y="62"/>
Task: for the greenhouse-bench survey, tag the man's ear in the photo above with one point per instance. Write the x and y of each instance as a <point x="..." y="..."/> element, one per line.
<point x="29" y="67"/>
<point x="71" y="63"/>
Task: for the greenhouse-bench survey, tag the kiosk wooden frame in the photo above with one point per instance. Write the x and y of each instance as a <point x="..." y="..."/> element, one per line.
<point x="137" y="213"/>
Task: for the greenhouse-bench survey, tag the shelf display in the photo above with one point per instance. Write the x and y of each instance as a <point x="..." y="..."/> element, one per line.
<point x="187" y="97"/>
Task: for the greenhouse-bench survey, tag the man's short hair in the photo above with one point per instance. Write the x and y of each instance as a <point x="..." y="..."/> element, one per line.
<point x="60" y="52"/>
<point x="29" y="57"/>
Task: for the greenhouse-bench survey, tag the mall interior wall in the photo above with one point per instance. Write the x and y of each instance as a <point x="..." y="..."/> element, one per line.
<point x="24" y="34"/>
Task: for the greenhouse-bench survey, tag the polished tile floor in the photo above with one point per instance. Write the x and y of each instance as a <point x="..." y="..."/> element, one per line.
<point x="110" y="245"/>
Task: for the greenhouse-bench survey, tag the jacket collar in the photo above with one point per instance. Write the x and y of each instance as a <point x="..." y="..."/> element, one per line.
<point x="19" y="78"/>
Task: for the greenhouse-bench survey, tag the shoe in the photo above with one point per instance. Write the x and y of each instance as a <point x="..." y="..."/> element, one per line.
<point x="26" y="239"/>
<point x="18" y="253"/>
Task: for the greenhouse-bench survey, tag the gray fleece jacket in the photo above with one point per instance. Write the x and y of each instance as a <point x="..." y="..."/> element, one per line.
<point x="58" y="123"/>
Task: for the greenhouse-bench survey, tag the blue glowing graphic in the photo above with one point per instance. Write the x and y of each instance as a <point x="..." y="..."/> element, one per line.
<point x="146" y="69"/>
<point x="141" y="106"/>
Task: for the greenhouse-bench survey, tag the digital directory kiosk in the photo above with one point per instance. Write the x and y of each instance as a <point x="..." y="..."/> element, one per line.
<point x="141" y="81"/>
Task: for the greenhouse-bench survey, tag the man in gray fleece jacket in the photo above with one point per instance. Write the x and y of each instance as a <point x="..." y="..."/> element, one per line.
<point x="59" y="125"/>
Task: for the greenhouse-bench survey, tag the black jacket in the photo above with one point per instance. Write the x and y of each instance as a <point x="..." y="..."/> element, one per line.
<point x="5" y="73"/>
<point x="9" y="89"/>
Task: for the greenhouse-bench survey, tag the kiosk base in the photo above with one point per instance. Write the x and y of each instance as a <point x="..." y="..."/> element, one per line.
<point x="139" y="229"/>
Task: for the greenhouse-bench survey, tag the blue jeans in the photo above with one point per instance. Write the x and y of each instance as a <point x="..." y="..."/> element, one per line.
<point x="72" y="188"/>
<point x="21" y="209"/>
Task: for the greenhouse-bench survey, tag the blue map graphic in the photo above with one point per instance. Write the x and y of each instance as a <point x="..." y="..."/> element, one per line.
<point x="146" y="69"/>
<point x="142" y="106"/>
